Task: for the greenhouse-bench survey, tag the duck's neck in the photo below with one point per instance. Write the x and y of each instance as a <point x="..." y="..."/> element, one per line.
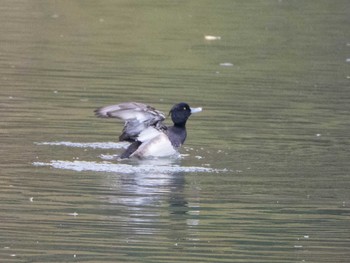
<point x="177" y="135"/>
<point x="180" y="125"/>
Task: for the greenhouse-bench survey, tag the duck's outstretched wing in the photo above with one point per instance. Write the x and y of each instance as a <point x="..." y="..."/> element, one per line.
<point x="137" y="117"/>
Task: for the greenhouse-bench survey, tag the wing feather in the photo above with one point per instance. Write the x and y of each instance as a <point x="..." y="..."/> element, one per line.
<point x="137" y="116"/>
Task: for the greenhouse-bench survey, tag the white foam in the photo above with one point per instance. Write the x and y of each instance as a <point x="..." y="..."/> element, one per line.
<point x="94" y="145"/>
<point x="209" y="37"/>
<point x="226" y="64"/>
<point x="124" y="168"/>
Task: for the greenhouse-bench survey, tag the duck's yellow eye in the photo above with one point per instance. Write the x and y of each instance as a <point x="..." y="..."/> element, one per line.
<point x="185" y="108"/>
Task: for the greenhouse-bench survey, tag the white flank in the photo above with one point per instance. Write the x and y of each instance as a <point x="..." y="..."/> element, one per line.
<point x="159" y="146"/>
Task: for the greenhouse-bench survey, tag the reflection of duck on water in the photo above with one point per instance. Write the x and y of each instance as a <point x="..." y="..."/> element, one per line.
<point x="145" y="130"/>
<point x="151" y="202"/>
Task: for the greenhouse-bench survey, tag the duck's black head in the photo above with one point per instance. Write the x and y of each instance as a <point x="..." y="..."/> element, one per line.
<point x="181" y="112"/>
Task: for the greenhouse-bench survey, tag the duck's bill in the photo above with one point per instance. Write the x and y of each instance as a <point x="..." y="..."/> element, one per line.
<point x="195" y="110"/>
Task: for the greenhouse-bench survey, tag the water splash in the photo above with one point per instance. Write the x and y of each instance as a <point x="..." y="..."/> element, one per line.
<point x="160" y="165"/>
<point x="125" y="168"/>
<point x="94" y="145"/>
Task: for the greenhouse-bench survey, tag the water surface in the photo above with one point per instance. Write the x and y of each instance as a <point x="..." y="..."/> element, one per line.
<point x="264" y="174"/>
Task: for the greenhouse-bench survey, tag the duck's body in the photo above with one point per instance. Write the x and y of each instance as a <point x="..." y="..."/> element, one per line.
<point x="145" y="130"/>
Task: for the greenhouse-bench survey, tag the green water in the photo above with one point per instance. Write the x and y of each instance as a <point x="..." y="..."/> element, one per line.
<point x="274" y="86"/>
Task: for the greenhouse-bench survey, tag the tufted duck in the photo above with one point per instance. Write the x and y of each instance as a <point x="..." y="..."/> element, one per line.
<point x="145" y="130"/>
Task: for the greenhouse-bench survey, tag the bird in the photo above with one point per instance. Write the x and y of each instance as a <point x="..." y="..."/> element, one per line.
<point x="145" y="130"/>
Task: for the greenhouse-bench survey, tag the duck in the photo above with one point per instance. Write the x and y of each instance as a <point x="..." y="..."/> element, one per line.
<point x="145" y="131"/>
